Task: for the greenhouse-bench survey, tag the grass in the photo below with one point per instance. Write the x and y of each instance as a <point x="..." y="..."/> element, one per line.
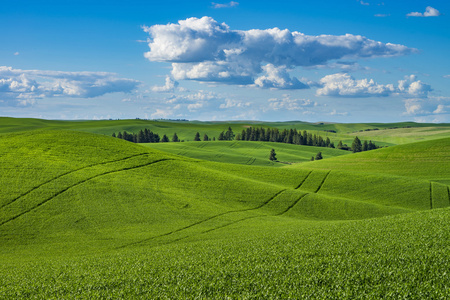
<point x="246" y="153"/>
<point x="426" y="160"/>
<point x="89" y="216"/>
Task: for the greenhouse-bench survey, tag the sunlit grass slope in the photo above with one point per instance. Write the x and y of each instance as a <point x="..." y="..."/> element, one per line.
<point x="63" y="186"/>
<point x="244" y="152"/>
<point x="425" y="160"/>
<point x="91" y="216"/>
<point x="400" y="257"/>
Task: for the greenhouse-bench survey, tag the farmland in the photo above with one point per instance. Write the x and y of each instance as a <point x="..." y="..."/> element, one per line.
<point x="86" y="215"/>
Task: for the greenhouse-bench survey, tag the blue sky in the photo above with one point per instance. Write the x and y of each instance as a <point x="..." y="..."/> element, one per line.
<point x="337" y="61"/>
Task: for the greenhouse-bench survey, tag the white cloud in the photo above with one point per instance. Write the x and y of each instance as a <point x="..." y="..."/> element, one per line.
<point x="278" y="77"/>
<point x="413" y="87"/>
<point x="446" y="76"/>
<point x="335" y="113"/>
<point x="205" y="50"/>
<point x="364" y="3"/>
<point x="23" y="87"/>
<point x="225" y="5"/>
<point x="344" y="85"/>
<point x="429" y="12"/>
<point x="170" y="86"/>
<point x="286" y="103"/>
<point x="229" y="103"/>
<point x="381" y="15"/>
<point x="16" y="53"/>
<point x="426" y="107"/>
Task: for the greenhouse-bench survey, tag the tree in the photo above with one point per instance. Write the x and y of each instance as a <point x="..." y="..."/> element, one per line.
<point x="356" y="145"/>
<point x="365" y="146"/>
<point x="205" y="138"/>
<point x="197" y="137"/>
<point x="164" y="139"/>
<point x="175" y="138"/>
<point x="312" y="158"/>
<point x="319" y="156"/>
<point x="141" y="137"/>
<point x="114" y="134"/>
<point x="229" y="135"/>
<point x="339" y="146"/>
<point x="273" y="155"/>
<point x="221" y="136"/>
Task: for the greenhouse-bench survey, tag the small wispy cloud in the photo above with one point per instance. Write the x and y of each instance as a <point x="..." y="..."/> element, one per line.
<point x="381" y="15"/>
<point x="16" y="53"/>
<point x="224" y="5"/>
<point x="446" y="76"/>
<point x="364" y="3"/>
<point x="429" y="12"/>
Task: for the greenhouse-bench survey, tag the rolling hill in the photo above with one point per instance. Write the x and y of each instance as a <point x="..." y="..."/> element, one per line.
<point x="84" y="215"/>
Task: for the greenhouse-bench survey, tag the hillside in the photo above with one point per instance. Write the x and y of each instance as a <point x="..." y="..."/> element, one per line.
<point x="91" y="216"/>
<point x="428" y="160"/>
<point x="382" y="133"/>
<point x="246" y="152"/>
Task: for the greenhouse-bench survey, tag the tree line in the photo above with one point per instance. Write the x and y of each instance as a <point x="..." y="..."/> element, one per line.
<point x="289" y="136"/>
<point x="145" y="136"/>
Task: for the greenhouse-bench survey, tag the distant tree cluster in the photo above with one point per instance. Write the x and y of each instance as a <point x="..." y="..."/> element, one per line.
<point x="226" y="136"/>
<point x="289" y="136"/>
<point x="205" y="137"/>
<point x="145" y="136"/>
<point x="357" y="146"/>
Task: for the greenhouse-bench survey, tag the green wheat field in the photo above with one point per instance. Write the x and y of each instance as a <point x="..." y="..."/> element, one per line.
<point x="84" y="215"/>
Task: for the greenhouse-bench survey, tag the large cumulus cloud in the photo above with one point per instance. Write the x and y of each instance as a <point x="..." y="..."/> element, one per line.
<point x="23" y="87"/>
<point x="206" y="50"/>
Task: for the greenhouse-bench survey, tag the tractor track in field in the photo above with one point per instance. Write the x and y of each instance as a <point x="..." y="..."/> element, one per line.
<point x="67" y="173"/>
<point x="79" y="183"/>
<point x="303" y="181"/>
<point x="323" y="181"/>
<point x="448" y="192"/>
<point x="293" y="204"/>
<point x="202" y="221"/>
<point x="251" y="161"/>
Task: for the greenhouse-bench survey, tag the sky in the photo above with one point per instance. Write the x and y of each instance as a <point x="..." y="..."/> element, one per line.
<point x="343" y="61"/>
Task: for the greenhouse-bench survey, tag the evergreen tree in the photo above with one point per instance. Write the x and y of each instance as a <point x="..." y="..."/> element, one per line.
<point x="214" y="138"/>
<point x="319" y="156"/>
<point x="221" y="136"/>
<point x="229" y="135"/>
<point x="312" y="158"/>
<point x="197" y="137"/>
<point x="339" y="146"/>
<point x="164" y="139"/>
<point x="356" y="145"/>
<point x="114" y="134"/>
<point x="273" y="156"/>
<point x="365" y="146"/>
<point x="141" y="137"/>
<point x="205" y="138"/>
<point x="175" y="138"/>
<point x="119" y="135"/>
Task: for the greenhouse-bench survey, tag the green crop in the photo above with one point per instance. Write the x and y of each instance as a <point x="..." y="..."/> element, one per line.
<point x="89" y="216"/>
